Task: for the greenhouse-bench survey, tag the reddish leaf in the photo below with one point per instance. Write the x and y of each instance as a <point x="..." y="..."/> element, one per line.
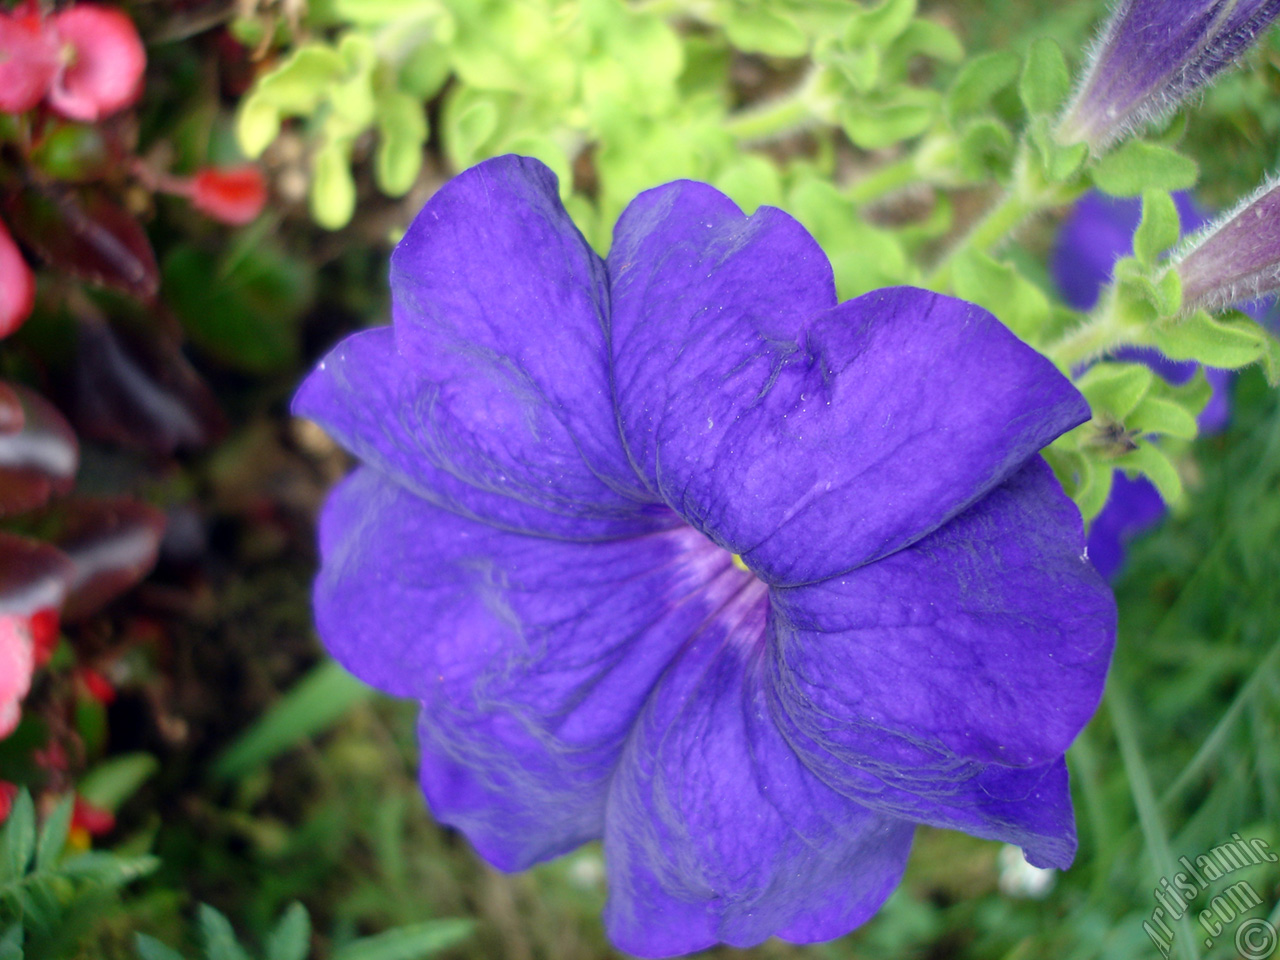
<point x="11" y="416"/>
<point x="112" y="545"/>
<point x="28" y="61"/>
<point x="44" y="633"/>
<point x="84" y="233"/>
<point x="94" y="820"/>
<point x="235" y="195"/>
<point x="106" y="65"/>
<point x="17" y="284"/>
<point x="34" y="576"/>
<point x="138" y="392"/>
<point x="40" y="459"/>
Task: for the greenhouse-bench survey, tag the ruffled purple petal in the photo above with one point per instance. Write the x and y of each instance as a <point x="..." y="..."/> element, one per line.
<point x="972" y="658"/>
<point x="531" y="657"/>
<point x="376" y="404"/>
<point x="809" y="440"/>
<point x="500" y="309"/>
<point x="716" y="833"/>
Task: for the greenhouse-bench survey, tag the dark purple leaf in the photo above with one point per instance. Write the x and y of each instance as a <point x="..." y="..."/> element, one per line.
<point x="33" y="576"/>
<point x="40" y="459"/>
<point x="83" y="232"/>
<point x="112" y="544"/>
<point x="138" y="392"/>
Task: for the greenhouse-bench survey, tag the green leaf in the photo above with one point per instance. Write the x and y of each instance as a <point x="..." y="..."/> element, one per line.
<point x="1152" y="462"/>
<point x="924" y="38"/>
<point x="333" y="190"/>
<point x="149" y="948"/>
<point x="53" y="838"/>
<point x="291" y="938"/>
<point x="11" y="943"/>
<point x="1095" y="488"/>
<point x="979" y="81"/>
<point x="1160" y="227"/>
<point x="883" y="121"/>
<point x="218" y="938"/>
<point x="247" y="319"/>
<point x="108" y="869"/>
<point x="1115" y="389"/>
<point x="319" y="700"/>
<point x="1229" y="343"/>
<point x="986" y="149"/>
<point x="1158" y="415"/>
<point x="880" y="25"/>
<point x="1138" y="166"/>
<point x="18" y="841"/>
<point x="757" y="29"/>
<point x="407" y="943"/>
<point x="402" y="130"/>
<point x="112" y="782"/>
<point x="1045" y="82"/>
<point x="257" y="124"/>
<point x="1001" y="288"/>
<point x="470" y="119"/>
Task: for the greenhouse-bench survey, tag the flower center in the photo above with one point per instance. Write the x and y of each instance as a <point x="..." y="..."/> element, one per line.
<point x="737" y="600"/>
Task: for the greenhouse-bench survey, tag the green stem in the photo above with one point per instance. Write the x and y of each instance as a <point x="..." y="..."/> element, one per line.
<point x="1096" y="336"/>
<point x="884" y="180"/>
<point x="802" y="107"/>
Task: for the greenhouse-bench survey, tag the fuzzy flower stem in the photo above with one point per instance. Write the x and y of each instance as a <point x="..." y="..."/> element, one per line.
<point x="1102" y="332"/>
<point x="802" y="107"/>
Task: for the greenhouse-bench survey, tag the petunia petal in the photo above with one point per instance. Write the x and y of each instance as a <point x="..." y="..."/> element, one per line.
<point x="805" y="438"/>
<point x="500" y="310"/>
<point x="531" y="657"/>
<point x="715" y="831"/>
<point x="970" y="659"/>
<point x="375" y="402"/>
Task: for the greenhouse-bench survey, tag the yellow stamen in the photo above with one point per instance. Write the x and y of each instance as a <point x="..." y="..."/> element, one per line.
<point x="737" y="562"/>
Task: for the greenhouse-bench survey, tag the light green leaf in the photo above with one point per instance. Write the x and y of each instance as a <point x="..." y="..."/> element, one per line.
<point x="1158" y="415"/>
<point x="149" y="948"/>
<point x="900" y="115"/>
<point x="257" y="125"/>
<point x="1045" y="82"/>
<point x="53" y="837"/>
<point x="333" y="190"/>
<point x="999" y="287"/>
<point x="470" y="119"/>
<point x="218" y="938"/>
<point x="291" y="938"/>
<point x="114" y="781"/>
<point x="298" y="85"/>
<point x="880" y="25"/>
<point x="402" y="130"/>
<point x="986" y="149"/>
<point x="1115" y="389"/>
<point x="18" y="840"/>
<point x="1159" y="229"/>
<point x="1138" y="166"/>
<point x="1095" y="488"/>
<point x="11" y="943"/>
<point x="319" y="700"/>
<point x="407" y="943"/>
<point x="1152" y="462"/>
<point x="1230" y="343"/>
<point x="979" y="80"/>
<point x="756" y="28"/>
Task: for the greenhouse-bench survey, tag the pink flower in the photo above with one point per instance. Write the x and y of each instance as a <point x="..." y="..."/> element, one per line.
<point x="87" y="61"/>
<point x="17" y="282"/>
<point x="17" y="661"/>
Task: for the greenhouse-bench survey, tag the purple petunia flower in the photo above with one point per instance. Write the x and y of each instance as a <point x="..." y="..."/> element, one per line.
<point x="1097" y="233"/>
<point x="678" y="552"/>
<point x="1152" y="55"/>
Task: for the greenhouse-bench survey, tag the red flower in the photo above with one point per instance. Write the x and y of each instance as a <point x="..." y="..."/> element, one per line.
<point x="7" y="792"/>
<point x="92" y="819"/>
<point x="98" y="686"/>
<point x="87" y="61"/>
<point x="235" y="195"/>
<point x="44" y="634"/>
<point x="17" y="282"/>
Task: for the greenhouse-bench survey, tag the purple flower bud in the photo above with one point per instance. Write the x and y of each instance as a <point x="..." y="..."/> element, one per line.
<point x="1235" y="259"/>
<point x="1152" y="55"/>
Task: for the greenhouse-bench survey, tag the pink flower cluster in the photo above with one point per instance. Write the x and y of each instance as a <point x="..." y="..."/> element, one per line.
<point x="86" y="61"/>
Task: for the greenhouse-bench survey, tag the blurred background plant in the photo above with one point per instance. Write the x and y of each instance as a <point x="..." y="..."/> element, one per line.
<point x="204" y="227"/>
